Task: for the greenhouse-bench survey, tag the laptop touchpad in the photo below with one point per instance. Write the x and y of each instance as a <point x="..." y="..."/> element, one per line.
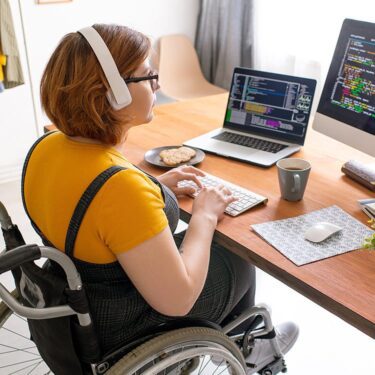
<point x="231" y="149"/>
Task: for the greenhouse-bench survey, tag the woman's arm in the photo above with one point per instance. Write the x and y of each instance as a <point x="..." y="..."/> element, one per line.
<point x="169" y="281"/>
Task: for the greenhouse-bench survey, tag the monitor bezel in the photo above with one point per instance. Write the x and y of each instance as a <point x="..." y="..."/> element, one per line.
<point x="349" y="135"/>
<point x="265" y="132"/>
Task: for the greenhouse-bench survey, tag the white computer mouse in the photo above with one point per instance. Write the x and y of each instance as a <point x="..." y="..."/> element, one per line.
<point x="319" y="232"/>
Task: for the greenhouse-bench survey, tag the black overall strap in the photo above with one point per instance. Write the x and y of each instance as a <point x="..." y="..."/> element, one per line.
<point x="83" y="204"/>
<point x="81" y="207"/>
<point x="25" y="164"/>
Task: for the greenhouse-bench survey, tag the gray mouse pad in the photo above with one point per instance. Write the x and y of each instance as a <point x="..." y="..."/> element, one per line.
<point x="287" y="235"/>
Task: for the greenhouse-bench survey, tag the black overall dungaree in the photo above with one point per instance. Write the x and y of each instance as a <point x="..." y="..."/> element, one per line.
<point x="118" y="310"/>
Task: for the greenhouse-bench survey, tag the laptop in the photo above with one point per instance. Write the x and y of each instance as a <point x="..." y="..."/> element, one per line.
<point x="266" y="118"/>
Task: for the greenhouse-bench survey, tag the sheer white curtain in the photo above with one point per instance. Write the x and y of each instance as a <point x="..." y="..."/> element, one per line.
<point x="298" y="37"/>
<point x="224" y="38"/>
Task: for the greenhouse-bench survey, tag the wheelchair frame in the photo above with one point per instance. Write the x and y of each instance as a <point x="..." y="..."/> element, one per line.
<point x="27" y="253"/>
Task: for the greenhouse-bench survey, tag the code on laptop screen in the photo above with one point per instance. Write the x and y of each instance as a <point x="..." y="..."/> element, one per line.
<point x="270" y="104"/>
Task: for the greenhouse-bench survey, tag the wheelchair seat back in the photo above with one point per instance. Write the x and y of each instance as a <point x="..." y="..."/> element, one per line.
<point x="63" y="343"/>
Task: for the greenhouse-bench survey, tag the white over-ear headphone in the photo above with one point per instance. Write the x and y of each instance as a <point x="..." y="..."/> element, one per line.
<point x="118" y="95"/>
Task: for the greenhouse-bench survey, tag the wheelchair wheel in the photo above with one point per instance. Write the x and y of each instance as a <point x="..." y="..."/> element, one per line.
<point x="194" y="350"/>
<point x="18" y="354"/>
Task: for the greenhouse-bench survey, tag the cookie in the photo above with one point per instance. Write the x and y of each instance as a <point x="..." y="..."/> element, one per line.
<point x="175" y="156"/>
<point x="168" y="152"/>
<point x="171" y="160"/>
<point x="187" y="150"/>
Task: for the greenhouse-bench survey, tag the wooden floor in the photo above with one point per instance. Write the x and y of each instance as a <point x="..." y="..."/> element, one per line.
<point x="327" y="345"/>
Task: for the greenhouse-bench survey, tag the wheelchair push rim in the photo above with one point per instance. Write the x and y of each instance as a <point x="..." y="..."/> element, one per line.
<point x="173" y="353"/>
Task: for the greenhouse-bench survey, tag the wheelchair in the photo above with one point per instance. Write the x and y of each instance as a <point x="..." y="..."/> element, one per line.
<point x="60" y="337"/>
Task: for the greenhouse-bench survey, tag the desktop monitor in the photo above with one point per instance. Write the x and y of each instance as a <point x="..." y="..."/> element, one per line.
<point x="346" y="109"/>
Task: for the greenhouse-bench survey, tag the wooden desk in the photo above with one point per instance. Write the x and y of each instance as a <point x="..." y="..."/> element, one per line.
<point x="345" y="284"/>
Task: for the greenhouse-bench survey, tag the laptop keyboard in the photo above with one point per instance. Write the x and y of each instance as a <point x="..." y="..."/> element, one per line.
<point x="243" y="140"/>
<point x="246" y="198"/>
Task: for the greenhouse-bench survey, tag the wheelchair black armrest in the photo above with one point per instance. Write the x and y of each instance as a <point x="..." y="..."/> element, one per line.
<point x="18" y="256"/>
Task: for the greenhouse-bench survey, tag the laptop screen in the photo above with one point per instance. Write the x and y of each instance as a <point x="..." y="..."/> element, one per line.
<point x="269" y="104"/>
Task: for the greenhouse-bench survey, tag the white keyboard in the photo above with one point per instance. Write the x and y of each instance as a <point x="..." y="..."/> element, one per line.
<point x="246" y="198"/>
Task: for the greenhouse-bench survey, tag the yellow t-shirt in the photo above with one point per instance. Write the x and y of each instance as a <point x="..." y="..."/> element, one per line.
<point x="126" y="211"/>
<point x="3" y="61"/>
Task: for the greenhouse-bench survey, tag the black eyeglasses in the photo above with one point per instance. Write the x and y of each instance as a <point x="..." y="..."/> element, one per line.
<point x="153" y="78"/>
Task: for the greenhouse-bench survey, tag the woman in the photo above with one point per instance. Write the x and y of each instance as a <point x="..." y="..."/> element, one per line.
<point x="136" y="273"/>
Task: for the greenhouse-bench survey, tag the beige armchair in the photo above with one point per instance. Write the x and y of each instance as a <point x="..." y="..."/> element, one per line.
<point x="180" y="75"/>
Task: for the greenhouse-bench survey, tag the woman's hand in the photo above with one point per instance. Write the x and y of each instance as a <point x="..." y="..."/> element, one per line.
<point x="172" y="177"/>
<point x="212" y="202"/>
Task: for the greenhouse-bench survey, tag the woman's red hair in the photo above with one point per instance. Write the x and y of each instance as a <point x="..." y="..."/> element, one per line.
<point x="73" y="86"/>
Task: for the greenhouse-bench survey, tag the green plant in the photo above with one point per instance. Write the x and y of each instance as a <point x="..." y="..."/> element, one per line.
<point x="369" y="242"/>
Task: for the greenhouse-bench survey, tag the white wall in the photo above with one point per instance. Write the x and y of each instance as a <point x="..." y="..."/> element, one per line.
<point x="17" y="123"/>
<point x="299" y="37"/>
<point x="44" y="26"/>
